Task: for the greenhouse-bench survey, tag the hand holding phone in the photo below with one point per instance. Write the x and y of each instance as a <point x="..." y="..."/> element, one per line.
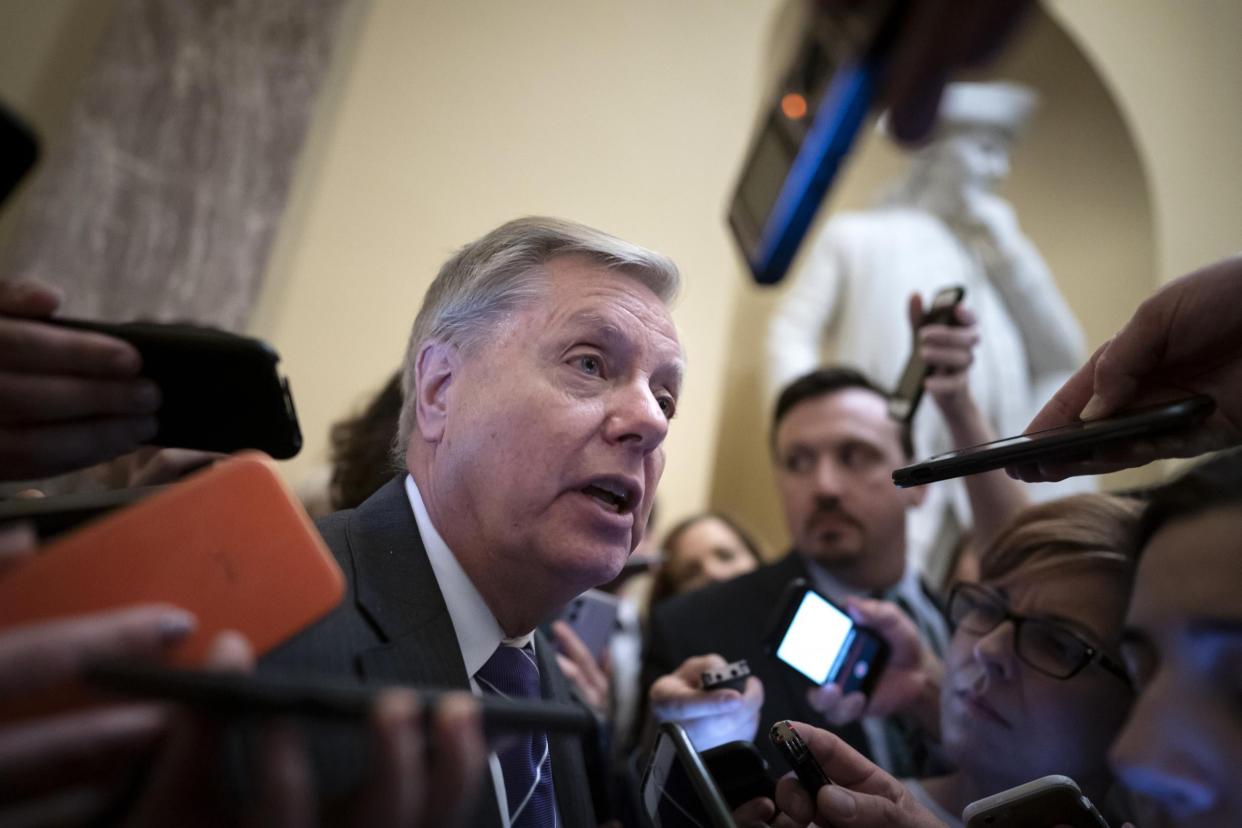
<point x="218" y="391"/>
<point x="1060" y="445"/>
<point x="821" y="643"/>
<point x="711" y="717"/>
<point x="909" y="682"/>
<point x="904" y="403"/>
<point x="68" y="399"/>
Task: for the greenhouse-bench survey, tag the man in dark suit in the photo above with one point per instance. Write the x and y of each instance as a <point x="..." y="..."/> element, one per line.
<point x="834" y="447"/>
<point x="541" y="374"/>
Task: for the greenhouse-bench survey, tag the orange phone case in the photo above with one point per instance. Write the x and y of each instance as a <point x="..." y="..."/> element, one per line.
<point x="230" y="544"/>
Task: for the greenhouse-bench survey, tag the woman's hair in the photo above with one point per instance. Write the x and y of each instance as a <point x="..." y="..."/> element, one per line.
<point x="362" y="448"/>
<point x="662" y="586"/>
<point x="1085" y="528"/>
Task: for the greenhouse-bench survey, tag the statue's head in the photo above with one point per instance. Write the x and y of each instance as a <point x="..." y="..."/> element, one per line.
<point x="977" y="126"/>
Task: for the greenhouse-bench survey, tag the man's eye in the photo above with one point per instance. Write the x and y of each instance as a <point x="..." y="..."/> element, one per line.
<point x="799" y="463"/>
<point x="668" y="405"/>
<point x="590" y="364"/>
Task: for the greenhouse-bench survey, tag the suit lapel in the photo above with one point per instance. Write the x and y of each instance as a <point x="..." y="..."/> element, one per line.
<point x="398" y="593"/>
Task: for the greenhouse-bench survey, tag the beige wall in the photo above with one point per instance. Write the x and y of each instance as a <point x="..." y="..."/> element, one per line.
<point x="1175" y="71"/>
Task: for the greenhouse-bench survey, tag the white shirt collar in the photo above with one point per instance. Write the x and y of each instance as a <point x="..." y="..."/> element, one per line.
<point x="478" y="631"/>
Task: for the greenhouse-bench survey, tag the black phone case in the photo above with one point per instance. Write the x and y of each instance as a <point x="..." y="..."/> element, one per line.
<point x="740" y="772"/>
<point x="221" y="391"/>
<point x="1058" y="443"/>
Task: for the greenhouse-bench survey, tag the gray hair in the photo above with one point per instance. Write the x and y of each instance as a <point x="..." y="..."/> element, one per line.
<point x="500" y="272"/>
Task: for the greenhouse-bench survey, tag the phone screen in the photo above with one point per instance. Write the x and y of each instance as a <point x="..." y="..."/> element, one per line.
<point x="668" y="795"/>
<point x="817" y="639"/>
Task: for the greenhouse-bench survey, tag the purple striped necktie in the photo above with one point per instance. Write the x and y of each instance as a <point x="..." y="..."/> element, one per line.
<point x="527" y="763"/>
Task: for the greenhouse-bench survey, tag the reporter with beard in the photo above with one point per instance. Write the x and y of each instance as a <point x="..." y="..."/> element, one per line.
<point x="834" y="447"/>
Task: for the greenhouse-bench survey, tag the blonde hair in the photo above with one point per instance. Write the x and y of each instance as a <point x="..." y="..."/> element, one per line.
<point x="502" y="271"/>
<point x="1088" y="528"/>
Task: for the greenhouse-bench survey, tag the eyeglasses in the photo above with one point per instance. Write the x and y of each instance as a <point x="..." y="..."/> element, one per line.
<point x="1047" y="647"/>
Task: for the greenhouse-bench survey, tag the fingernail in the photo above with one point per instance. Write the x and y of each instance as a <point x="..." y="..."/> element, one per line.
<point x="838" y="801"/>
<point x="127" y="361"/>
<point x="175" y="625"/>
<point x="397" y="707"/>
<point x="1094" y="409"/>
<point x="146" y="396"/>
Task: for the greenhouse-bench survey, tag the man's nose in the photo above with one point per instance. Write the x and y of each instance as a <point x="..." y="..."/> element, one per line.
<point x="636" y="419"/>
<point x="1150" y="756"/>
<point x="828" y="477"/>
<point x="995" y="651"/>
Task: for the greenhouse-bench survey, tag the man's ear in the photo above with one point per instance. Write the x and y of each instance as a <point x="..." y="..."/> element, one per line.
<point x="435" y="369"/>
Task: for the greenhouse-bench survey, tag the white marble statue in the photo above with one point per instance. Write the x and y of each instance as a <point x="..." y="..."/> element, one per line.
<point x="940" y="224"/>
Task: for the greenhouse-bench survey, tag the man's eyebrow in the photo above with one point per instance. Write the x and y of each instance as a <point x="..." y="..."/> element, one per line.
<point x="594" y="319"/>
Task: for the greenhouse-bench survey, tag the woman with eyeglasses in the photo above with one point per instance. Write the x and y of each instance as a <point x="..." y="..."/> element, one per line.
<point x="1033" y="683"/>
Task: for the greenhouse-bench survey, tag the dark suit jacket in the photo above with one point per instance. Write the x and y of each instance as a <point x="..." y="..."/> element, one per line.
<point x="393" y="627"/>
<point x="731" y="619"/>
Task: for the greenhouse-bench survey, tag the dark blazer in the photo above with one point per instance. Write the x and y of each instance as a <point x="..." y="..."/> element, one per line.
<point x="393" y="627"/>
<point x="731" y="619"/>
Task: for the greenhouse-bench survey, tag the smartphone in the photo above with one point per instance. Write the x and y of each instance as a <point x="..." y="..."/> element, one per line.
<point x="1050" y="800"/>
<point x="593" y="618"/>
<point x="1060" y="444"/>
<point x="677" y="791"/>
<point x="740" y="772"/>
<point x="904" y="403"/>
<point x="230" y="544"/>
<point x="808" y="129"/>
<point x="221" y="391"/>
<point x="51" y="516"/>
<point x="799" y="758"/>
<point x="821" y="643"/>
<point x="240" y="695"/>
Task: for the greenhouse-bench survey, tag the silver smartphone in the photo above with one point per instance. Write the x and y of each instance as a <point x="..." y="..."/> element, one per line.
<point x="1049" y="800"/>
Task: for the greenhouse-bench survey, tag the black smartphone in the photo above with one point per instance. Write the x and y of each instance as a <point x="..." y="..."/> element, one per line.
<point x="593" y="618"/>
<point x="677" y="791"/>
<point x="221" y="391"/>
<point x="245" y="695"/>
<point x="52" y="515"/>
<point x="740" y="772"/>
<point x="1060" y="444"/>
<point x="799" y="757"/>
<point x="904" y="403"/>
<point x="821" y="643"/>
<point x="821" y="103"/>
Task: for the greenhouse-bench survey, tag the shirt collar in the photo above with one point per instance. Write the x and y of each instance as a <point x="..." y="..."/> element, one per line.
<point x="478" y="631"/>
<point x="834" y="588"/>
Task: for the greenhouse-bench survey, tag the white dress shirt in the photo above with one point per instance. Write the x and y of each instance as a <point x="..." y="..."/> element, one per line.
<point x="478" y="631"/>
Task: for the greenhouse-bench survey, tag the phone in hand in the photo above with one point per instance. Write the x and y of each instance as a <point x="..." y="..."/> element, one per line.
<point x="593" y="618"/>
<point x="821" y="643"/>
<point x="220" y="391"/>
<point x="677" y="791"/>
<point x="904" y="403"/>
<point x="1060" y="444"/>
<point x="740" y="772"/>
<point x="1050" y="800"/>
